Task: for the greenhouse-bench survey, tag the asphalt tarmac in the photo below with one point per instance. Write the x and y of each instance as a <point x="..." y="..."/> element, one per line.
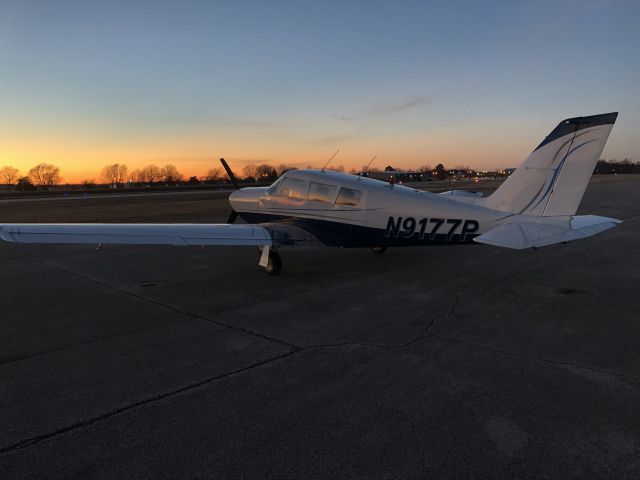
<point x="465" y="361"/>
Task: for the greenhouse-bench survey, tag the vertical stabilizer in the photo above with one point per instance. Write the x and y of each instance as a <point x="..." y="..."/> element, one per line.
<point x="552" y="180"/>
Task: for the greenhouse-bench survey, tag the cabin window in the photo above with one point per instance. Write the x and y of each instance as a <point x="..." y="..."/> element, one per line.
<point x="320" y="192"/>
<point x="348" y="196"/>
<point x="293" y="188"/>
<point x="274" y="186"/>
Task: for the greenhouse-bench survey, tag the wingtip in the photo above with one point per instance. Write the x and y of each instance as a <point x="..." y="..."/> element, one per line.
<point x="5" y="234"/>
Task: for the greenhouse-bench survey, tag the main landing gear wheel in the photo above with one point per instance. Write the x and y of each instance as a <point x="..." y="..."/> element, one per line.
<point x="275" y="264"/>
<point x="270" y="260"/>
<point x="378" y="250"/>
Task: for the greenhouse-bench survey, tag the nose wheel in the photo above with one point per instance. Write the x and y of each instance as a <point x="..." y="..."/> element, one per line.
<point x="270" y="260"/>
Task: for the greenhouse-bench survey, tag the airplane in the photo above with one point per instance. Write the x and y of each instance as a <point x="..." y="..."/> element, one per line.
<point x="534" y="207"/>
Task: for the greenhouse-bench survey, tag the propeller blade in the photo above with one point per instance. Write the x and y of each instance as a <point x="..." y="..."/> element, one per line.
<point x="232" y="216"/>
<point x="232" y="177"/>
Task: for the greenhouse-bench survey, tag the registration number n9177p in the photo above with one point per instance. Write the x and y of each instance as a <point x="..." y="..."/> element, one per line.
<point x="430" y="227"/>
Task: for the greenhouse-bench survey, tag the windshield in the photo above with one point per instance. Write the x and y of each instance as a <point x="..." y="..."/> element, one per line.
<point x="274" y="186"/>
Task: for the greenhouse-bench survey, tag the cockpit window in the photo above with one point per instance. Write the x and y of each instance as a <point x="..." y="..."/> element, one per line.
<point x="293" y="188"/>
<point x="274" y="186"/>
<point x="348" y="196"/>
<point x="320" y="192"/>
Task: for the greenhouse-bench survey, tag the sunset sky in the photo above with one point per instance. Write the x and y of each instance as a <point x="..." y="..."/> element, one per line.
<point x="87" y="83"/>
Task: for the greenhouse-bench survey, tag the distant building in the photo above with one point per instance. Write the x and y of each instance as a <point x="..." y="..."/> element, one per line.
<point x="398" y="176"/>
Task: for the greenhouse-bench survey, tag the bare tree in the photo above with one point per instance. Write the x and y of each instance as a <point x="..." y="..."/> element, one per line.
<point x="25" y="184"/>
<point x="265" y="171"/>
<point x="214" y="175"/>
<point x="441" y="172"/>
<point x="44" y="175"/>
<point x="170" y="174"/>
<point x="339" y="168"/>
<point x="150" y="173"/>
<point x="9" y="175"/>
<point x="114" y="174"/>
<point x="280" y="169"/>
<point x="250" y="171"/>
<point x="136" y="176"/>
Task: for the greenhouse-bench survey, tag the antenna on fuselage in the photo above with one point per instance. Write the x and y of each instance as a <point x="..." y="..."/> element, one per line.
<point x="366" y="169"/>
<point x="329" y="161"/>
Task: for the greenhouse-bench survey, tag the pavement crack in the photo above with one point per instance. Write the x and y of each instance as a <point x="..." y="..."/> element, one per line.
<point x="171" y="307"/>
<point x="368" y="345"/>
<point x="451" y="312"/>
<point x="428" y="334"/>
<point x="83" y="344"/>
<point x="523" y="356"/>
<point x="147" y="401"/>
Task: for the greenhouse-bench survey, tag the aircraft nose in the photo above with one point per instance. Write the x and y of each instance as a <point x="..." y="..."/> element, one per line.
<point x="245" y="198"/>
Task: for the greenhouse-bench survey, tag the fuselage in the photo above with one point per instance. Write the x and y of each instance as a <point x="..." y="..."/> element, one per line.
<point x="351" y="211"/>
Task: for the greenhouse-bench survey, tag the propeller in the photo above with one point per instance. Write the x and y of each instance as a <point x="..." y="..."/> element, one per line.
<point x="233" y="215"/>
<point x="232" y="177"/>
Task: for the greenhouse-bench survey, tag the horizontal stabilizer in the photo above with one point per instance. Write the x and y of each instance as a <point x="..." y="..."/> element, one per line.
<point x="137" y="234"/>
<point x="462" y="193"/>
<point x="521" y="234"/>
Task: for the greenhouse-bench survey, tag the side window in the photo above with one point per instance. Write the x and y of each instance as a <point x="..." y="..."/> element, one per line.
<point x="293" y="188"/>
<point x="320" y="192"/>
<point x="348" y="197"/>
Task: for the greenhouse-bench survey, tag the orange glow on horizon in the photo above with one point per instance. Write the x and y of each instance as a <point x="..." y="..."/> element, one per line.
<point x="80" y="160"/>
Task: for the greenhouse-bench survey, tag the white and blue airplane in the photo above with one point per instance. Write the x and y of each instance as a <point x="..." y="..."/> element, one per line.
<point x="533" y="208"/>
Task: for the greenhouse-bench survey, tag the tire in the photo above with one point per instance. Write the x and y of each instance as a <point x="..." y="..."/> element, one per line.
<point x="378" y="250"/>
<point x="275" y="264"/>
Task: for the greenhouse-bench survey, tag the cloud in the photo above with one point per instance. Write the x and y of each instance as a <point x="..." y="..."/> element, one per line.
<point x="388" y="110"/>
<point x="385" y="110"/>
<point x="365" y="121"/>
<point x="330" y="140"/>
<point x="246" y="123"/>
<point x="344" y="118"/>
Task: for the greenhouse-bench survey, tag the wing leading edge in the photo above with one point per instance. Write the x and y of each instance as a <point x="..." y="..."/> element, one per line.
<point x="137" y="234"/>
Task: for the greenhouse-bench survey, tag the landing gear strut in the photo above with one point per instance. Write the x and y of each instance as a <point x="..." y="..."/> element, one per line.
<point x="270" y="260"/>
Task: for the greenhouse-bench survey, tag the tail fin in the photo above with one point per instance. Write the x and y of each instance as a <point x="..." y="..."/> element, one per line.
<point x="552" y="180"/>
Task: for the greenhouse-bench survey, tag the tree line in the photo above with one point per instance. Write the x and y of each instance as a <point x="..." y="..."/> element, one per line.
<point x="42" y="175"/>
<point x="604" y="167"/>
<point x="45" y="175"/>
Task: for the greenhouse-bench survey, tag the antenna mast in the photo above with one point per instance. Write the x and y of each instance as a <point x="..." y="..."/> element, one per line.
<point x="330" y="158"/>
<point x="370" y="162"/>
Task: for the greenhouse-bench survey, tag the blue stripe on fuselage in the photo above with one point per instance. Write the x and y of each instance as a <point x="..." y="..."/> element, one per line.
<point x="337" y="234"/>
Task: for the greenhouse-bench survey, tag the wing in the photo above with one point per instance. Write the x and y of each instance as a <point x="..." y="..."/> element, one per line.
<point x="521" y="234"/>
<point x="272" y="234"/>
<point x="138" y="234"/>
